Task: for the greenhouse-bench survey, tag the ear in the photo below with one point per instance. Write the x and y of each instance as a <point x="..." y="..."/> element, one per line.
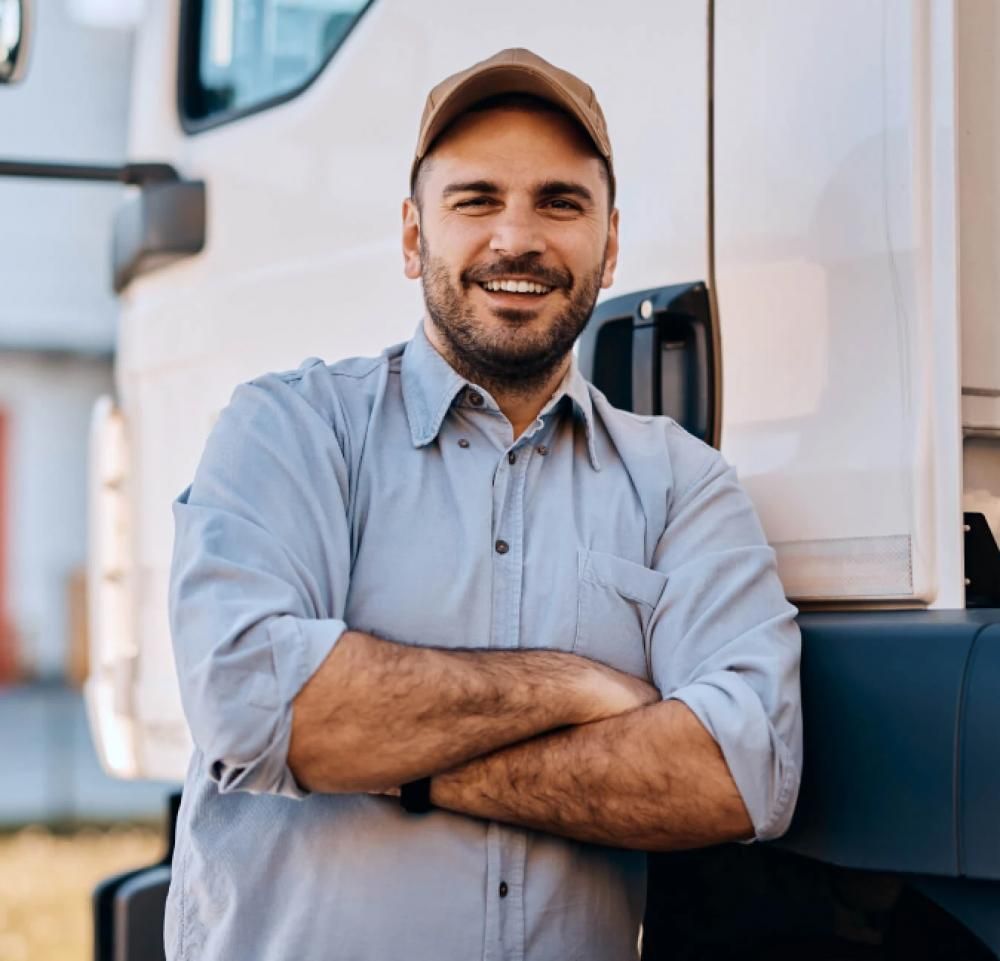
<point x="611" y="254"/>
<point x="411" y="240"/>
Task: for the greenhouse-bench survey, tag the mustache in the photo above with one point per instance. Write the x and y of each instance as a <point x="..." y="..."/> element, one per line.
<point x="526" y="267"/>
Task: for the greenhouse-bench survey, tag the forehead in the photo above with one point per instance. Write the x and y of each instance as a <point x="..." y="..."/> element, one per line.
<point x="513" y="144"/>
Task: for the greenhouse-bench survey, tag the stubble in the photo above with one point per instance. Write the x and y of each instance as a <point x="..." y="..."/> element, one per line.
<point x="510" y="360"/>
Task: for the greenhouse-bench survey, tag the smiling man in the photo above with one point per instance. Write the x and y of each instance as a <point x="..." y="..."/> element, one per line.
<point x="458" y="640"/>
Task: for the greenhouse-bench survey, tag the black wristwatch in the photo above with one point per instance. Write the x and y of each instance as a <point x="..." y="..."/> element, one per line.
<point x="415" y="797"/>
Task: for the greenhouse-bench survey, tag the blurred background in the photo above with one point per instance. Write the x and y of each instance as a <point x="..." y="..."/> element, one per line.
<point x="64" y="823"/>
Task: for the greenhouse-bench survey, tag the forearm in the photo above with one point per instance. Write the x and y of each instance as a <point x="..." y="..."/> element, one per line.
<point x="378" y="713"/>
<point x="652" y="779"/>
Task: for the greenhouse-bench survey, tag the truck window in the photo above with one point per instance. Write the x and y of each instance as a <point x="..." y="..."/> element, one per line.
<point x="240" y="56"/>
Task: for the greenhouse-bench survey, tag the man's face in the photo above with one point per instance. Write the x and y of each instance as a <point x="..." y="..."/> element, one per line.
<point x="510" y="197"/>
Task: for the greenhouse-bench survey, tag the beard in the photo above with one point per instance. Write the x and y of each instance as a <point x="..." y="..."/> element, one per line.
<point x="511" y="359"/>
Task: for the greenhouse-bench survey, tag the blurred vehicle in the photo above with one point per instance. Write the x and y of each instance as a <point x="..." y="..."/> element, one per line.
<point x="810" y="199"/>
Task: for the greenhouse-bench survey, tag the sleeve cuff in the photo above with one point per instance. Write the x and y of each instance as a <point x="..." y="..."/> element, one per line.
<point x="760" y="763"/>
<point x="298" y="646"/>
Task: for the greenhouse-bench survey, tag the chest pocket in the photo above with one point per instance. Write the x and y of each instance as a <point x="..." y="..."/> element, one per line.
<point x="614" y="602"/>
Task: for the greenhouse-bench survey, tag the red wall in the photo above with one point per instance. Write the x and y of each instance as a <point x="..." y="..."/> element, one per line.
<point x="8" y="653"/>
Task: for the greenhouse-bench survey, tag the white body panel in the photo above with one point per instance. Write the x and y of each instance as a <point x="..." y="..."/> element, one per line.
<point x="836" y="280"/>
<point x="979" y="105"/>
<point x="303" y="251"/>
<point x="979" y="193"/>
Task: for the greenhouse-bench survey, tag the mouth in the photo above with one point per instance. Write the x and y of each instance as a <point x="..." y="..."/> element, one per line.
<point x="515" y="290"/>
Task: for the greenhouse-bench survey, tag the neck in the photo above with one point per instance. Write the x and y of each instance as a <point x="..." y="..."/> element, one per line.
<point x="521" y="409"/>
<point x="520" y="403"/>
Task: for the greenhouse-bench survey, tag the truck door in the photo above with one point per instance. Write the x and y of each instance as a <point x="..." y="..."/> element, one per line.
<point x="835" y="240"/>
<point x="300" y="119"/>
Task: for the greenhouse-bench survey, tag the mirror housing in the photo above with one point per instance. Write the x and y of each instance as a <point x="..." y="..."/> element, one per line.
<point x="15" y="20"/>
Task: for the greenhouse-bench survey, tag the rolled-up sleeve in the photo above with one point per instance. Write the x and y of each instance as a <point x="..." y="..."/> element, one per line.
<point x="259" y="578"/>
<point x="724" y="641"/>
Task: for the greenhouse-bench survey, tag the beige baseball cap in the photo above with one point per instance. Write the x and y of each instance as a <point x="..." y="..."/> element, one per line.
<point x="512" y="71"/>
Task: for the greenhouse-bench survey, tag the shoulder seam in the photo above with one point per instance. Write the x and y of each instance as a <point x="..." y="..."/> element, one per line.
<point x="377" y="363"/>
<point x="712" y="459"/>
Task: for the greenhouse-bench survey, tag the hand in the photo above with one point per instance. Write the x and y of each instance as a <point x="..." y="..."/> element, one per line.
<point x="611" y="692"/>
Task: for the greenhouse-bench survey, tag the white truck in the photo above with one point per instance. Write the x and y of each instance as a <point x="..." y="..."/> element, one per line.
<point x="810" y="208"/>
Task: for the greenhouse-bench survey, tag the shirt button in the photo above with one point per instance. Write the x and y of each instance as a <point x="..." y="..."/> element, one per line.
<point x="463" y="442"/>
<point x="475" y="399"/>
<point x="503" y="889"/>
<point x="542" y="449"/>
<point x="511" y="457"/>
<point x="502" y="547"/>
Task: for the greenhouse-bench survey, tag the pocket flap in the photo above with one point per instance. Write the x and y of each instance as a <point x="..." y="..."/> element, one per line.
<point x="634" y="581"/>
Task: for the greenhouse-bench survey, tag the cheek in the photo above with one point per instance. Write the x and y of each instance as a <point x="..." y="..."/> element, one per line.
<point x="588" y="256"/>
<point x="456" y="237"/>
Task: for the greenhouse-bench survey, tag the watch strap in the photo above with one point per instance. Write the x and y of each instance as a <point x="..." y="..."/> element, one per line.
<point x="415" y="797"/>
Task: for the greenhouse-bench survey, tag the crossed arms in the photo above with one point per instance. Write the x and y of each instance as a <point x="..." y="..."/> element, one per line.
<point x="542" y="739"/>
<point x="281" y="699"/>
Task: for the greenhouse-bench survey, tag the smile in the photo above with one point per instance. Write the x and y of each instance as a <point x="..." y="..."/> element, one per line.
<point x="515" y="287"/>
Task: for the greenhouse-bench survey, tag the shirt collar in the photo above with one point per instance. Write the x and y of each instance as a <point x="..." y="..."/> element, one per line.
<point x="430" y="385"/>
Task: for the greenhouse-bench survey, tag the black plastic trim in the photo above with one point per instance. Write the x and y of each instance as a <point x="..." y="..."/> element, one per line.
<point x="128" y="174"/>
<point x="160" y="224"/>
<point x="139" y="907"/>
<point x="128" y="907"/>
<point x="978" y="777"/>
<point x="187" y="71"/>
<point x="982" y="562"/>
<point x="21" y="49"/>
<point x="974" y="904"/>
<point x="103" y="908"/>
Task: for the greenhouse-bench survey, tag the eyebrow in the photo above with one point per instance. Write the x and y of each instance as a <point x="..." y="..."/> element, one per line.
<point x="552" y="188"/>
<point x="549" y="188"/>
<point x="471" y="187"/>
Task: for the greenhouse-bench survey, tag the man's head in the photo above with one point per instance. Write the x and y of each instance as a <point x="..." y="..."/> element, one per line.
<point x="511" y="226"/>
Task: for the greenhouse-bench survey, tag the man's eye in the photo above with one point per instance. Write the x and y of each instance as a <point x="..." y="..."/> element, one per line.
<point x="559" y="203"/>
<point x="473" y="202"/>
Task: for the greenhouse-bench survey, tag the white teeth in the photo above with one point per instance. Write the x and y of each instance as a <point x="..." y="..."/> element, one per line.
<point x="516" y="287"/>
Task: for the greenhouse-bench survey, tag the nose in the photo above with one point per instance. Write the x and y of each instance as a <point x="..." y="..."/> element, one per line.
<point x="516" y="232"/>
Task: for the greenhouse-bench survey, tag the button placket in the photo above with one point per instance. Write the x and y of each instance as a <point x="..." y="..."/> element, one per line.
<point x="509" y="896"/>
<point x="493" y="946"/>
<point x="508" y="500"/>
<point x="507" y="846"/>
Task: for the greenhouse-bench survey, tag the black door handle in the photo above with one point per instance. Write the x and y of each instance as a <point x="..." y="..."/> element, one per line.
<point x="653" y="352"/>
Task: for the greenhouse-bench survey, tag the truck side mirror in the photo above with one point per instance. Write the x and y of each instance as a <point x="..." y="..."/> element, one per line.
<point x="14" y="22"/>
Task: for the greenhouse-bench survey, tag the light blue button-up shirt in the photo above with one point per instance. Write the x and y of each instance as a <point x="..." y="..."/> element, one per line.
<point x="372" y="493"/>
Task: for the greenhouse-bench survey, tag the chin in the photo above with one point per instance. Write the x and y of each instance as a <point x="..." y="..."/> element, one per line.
<point x="514" y="315"/>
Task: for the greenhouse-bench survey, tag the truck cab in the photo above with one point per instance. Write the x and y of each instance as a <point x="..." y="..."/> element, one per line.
<point x="810" y="206"/>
